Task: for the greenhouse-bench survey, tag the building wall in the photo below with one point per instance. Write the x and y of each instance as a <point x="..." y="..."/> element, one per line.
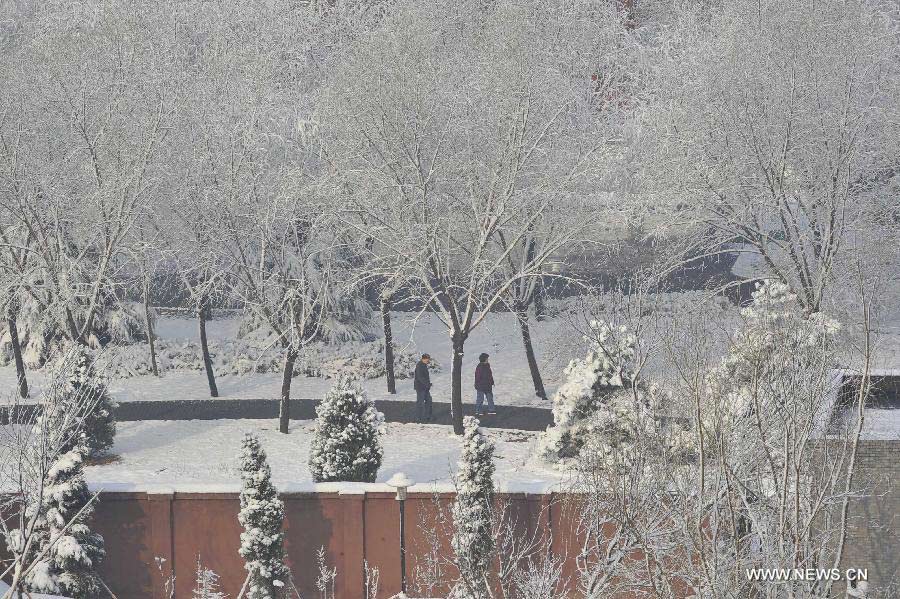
<point x="874" y="527"/>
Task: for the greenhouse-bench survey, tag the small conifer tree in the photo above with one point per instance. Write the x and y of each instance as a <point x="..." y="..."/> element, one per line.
<point x="347" y="441"/>
<point x="99" y="428"/>
<point x="473" y="535"/>
<point x="262" y="516"/>
<point x="206" y="584"/>
<point x="69" y="566"/>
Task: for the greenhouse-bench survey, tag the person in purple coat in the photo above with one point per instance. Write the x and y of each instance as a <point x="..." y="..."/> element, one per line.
<point x="484" y="386"/>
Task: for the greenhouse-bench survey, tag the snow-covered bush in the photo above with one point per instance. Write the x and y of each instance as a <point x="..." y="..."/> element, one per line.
<point x="347" y="441"/>
<point x="119" y="323"/>
<point x="473" y="534"/>
<point x="628" y="429"/>
<point x="206" y="585"/>
<point x="262" y="517"/>
<point x="776" y="366"/>
<point x="243" y="357"/>
<point x="69" y="565"/>
<point x="596" y="383"/>
<point x="348" y="320"/>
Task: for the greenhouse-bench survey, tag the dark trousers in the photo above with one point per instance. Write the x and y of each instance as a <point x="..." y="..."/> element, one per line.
<point x="423" y="404"/>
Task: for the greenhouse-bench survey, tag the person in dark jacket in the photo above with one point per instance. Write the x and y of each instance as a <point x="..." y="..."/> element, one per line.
<point x="484" y="385"/>
<point x="422" y="385"/>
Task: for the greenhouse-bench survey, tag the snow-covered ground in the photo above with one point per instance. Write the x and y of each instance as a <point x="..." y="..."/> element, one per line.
<point x="197" y="455"/>
<point x="554" y="341"/>
<point x="4" y="588"/>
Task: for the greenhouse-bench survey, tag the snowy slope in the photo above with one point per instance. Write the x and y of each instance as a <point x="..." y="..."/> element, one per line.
<point x="202" y="456"/>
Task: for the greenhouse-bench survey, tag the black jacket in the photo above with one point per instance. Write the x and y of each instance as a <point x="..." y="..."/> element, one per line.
<point x="422" y="380"/>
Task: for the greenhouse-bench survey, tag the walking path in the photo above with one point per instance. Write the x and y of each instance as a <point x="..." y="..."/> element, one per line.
<point x="508" y="417"/>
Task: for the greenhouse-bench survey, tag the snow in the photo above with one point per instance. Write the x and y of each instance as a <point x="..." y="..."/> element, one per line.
<point x="499" y="336"/>
<point x="881" y="424"/>
<point x="202" y="456"/>
<point x="749" y="263"/>
<point x="556" y="342"/>
<point x="5" y="587"/>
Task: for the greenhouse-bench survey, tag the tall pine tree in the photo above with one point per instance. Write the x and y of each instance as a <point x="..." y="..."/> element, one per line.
<point x="347" y="441"/>
<point x="69" y="565"/>
<point x="262" y="516"/>
<point x="473" y="536"/>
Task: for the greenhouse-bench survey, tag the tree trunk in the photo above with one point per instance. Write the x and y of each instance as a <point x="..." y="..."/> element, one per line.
<point x="17" y="355"/>
<point x="522" y="315"/>
<point x="456" y="385"/>
<point x="149" y="325"/>
<point x="539" y="308"/>
<point x="388" y="345"/>
<point x="73" y="329"/>
<point x="284" y="410"/>
<point x="203" y="314"/>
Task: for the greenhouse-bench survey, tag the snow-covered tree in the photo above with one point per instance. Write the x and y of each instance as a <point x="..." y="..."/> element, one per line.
<point x="405" y="145"/>
<point x="84" y="172"/>
<point x="291" y="273"/>
<point x="347" y="441"/>
<point x="262" y="517"/>
<point x="15" y="273"/>
<point x="71" y="552"/>
<point x="82" y="386"/>
<point x="206" y="585"/>
<point x="30" y="464"/>
<point x="766" y="460"/>
<point x="778" y="345"/>
<point x="596" y="392"/>
<point x="774" y="122"/>
<point x="99" y="428"/>
<point x="473" y="514"/>
<point x="251" y="198"/>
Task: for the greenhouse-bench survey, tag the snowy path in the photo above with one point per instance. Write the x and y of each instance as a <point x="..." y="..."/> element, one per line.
<point x="510" y="417"/>
<point x="202" y="456"/>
